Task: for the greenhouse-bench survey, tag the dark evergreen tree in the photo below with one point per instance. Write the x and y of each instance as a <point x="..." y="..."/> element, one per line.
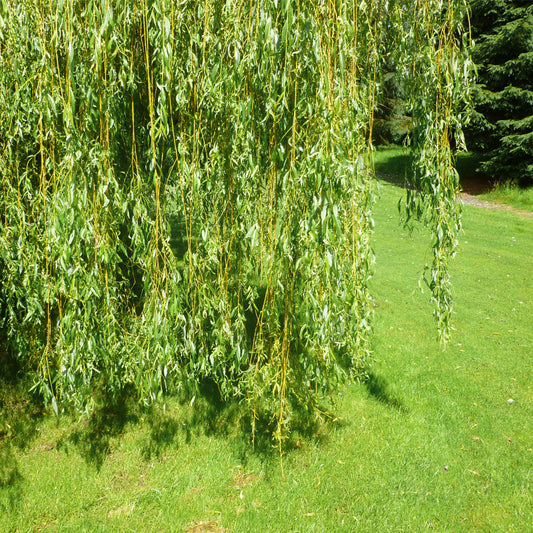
<point x="502" y="123"/>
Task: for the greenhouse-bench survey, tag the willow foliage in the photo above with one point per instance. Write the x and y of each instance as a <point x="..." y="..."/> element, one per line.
<point x="186" y="191"/>
<point x="440" y="70"/>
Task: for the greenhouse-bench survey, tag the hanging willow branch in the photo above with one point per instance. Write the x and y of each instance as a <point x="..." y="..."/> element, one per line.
<point x="186" y="195"/>
<point x="440" y="71"/>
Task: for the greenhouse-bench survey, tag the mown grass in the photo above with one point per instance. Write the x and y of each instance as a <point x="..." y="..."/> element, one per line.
<point x="432" y="441"/>
<point x="511" y="195"/>
<point x="390" y="163"/>
<point x="501" y="192"/>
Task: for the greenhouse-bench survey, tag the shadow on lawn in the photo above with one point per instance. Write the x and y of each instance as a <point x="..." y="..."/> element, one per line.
<point x="207" y="414"/>
<point x="20" y="414"/>
<point x="168" y="424"/>
<point x="175" y="422"/>
<point x="393" y="167"/>
<point x="249" y="433"/>
<point x="230" y="420"/>
<point x="93" y="436"/>
<point x="377" y="387"/>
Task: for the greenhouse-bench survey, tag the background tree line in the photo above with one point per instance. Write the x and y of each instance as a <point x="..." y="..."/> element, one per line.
<point x="500" y="124"/>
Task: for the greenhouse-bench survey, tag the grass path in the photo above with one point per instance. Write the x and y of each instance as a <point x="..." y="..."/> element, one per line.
<point x="432" y="442"/>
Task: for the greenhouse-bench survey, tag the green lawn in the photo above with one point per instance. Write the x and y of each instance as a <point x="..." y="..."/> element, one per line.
<point x="391" y="164"/>
<point x="511" y="195"/>
<point x="437" y="439"/>
<point x="502" y="193"/>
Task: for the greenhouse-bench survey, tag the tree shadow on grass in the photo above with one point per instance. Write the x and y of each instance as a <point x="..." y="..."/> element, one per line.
<point x="10" y="479"/>
<point x="393" y="169"/>
<point x="163" y="434"/>
<point x="20" y="414"/>
<point x="248" y="434"/>
<point x="307" y="430"/>
<point x="93" y="437"/>
<point x="175" y="421"/>
<point x="378" y="388"/>
<point x="11" y="495"/>
<point x="257" y="433"/>
<point x="20" y="411"/>
<point x="207" y="414"/>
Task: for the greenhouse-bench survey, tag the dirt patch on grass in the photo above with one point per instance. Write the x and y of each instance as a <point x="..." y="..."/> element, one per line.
<point x="205" y="527"/>
<point x="243" y="480"/>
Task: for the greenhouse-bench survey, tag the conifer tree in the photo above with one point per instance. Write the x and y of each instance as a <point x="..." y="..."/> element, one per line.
<point x="502" y="122"/>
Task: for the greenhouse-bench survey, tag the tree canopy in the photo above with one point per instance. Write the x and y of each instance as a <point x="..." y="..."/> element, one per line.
<point x="186" y="190"/>
<point x="502" y="123"/>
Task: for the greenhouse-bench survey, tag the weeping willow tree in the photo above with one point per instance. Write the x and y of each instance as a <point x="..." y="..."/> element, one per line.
<point x="186" y="190"/>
